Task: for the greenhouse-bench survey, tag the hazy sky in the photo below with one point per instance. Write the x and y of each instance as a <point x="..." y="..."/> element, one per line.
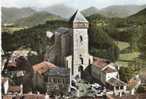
<point x="80" y="4"/>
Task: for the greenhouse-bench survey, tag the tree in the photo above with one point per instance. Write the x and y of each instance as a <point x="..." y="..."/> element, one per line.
<point x="142" y="42"/>
<point x="8" y="42"/>
<point x="126" y="73"/>
<point x="140" y="89"/>
<point x="101" y="44"/>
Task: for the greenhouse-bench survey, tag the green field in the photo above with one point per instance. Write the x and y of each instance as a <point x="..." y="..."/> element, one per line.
<point x="126" y="57"/>
<point x="122" y="45"/>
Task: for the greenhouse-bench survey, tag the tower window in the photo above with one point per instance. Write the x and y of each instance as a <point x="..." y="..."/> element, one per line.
<point x="80" y="69"/>
<point x="81" y="59"/>
<point x="81" y="38"/>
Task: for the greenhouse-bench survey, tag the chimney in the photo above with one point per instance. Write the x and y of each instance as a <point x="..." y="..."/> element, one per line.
<point x="38" y="93"/>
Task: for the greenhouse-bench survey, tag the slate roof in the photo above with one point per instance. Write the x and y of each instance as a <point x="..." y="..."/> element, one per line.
<point x="61" y="30"/>
<point x="78" y="17"/>
<point x="58" y="71"/>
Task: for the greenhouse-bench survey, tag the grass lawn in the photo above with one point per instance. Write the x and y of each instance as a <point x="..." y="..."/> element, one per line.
<point x="129" y="56"/>
<point x="122" y="45"/>
<point x="125" y="58"/>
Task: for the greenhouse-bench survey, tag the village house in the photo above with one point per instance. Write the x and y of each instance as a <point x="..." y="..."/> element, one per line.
<point x="9" y="89"/>
<point x="57" y="80"/>
<point x="38" y="74"/>
<point x="19" y="71"/>
<point x="54" y="78"/>
<point x="106" y="72"/>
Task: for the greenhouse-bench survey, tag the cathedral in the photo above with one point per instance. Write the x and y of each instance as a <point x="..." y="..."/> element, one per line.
<point x="70" y="49"/>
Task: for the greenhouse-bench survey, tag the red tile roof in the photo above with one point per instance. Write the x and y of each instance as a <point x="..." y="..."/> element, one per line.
<point x="43" y="67"/>
<point x="7" y="97"/>
<point x="99" y="62"/>
<point x="34" y="96"/>
<point x="14" y="89"/>
<point x="11" y="64"/>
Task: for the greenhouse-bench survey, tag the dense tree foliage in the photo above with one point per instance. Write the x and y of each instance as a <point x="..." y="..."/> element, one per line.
<point x="35" y="38"/>
<point x="142" y="43"/>
<point x="8" y="42"/>
<point x="100" y="43"/>
<point x="126" y="73"/>
<point x="140" y="89"/>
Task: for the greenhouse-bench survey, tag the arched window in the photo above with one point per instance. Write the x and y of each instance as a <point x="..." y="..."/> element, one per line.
<point x="81" y="38"/>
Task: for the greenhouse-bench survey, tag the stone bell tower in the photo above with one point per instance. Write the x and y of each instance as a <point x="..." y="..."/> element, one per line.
<point x="80" y="57"/>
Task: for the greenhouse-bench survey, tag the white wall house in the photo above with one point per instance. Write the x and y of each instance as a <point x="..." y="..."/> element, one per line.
<point x="107" y="73"/>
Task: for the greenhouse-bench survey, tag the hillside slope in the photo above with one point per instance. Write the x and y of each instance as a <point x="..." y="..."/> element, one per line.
<point x="139" y="18"/>
<point x="10" y="15"/>
<point x="36" y="19"/>
<point x="121" y="10"/>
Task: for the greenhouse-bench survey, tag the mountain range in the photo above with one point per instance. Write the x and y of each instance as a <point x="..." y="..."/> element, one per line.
<point x="10" y="15"/>
<point x="32" y="16"/>
<point x="114" y="11"/>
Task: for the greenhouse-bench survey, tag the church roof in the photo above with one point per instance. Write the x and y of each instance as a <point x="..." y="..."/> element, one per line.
<point x="61" y="30"/>
<point x="78" y="17"/>
<point x="43" y="67"/>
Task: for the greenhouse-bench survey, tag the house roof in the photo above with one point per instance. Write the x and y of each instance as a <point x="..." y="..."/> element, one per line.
<point x="61" y="30"/>
<point x="7" y="97"/>
<point x="14" y="89"/>
<point x="116" y="82"/>
<point x="34" y="96"/>
<point x="11" y="64"/>
<point x="43" y="67"/>
<point x="100" y="63"/>
<point x="109" y="70"/>
<point x="78" y="17"/>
